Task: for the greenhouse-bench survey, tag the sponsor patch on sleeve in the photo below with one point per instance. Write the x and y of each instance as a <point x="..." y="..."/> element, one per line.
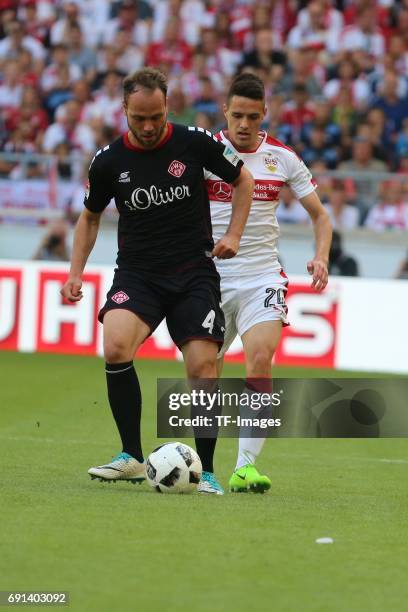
<point x="231" y="156"/>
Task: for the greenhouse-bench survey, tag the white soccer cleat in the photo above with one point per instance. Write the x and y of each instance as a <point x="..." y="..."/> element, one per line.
<point x="122" y="467"/>
<point x="209" y="484"/>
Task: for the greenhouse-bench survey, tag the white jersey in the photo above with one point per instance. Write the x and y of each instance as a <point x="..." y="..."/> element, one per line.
<point x="272" y="165"/>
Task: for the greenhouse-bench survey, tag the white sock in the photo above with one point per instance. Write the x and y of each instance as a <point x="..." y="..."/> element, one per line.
<point x="249" y="448"/>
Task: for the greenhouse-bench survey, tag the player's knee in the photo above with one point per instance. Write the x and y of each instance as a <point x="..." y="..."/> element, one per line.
<point x="117" y="351"/>
<point x="259" y="363"/>
<point x="202" y="368"/>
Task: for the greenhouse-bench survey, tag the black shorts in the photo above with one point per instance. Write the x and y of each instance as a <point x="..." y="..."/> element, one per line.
<point x="188" y="300"/>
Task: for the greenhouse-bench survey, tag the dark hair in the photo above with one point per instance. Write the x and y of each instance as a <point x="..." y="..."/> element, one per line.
<point x="145" y="78"/>
<point x="247" y="85"/>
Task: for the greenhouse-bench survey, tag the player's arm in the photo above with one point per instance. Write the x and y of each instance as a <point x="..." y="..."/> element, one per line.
<point x="97" y="197"/>
<point x="228" y="245"/>
<point x="323" y="236"/>
<point x="86" y="231"/>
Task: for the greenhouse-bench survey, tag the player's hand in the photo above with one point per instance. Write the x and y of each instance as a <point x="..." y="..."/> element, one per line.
<point x="226" y="247"/>
<point x="71" y="291"/>
<point x="318" y="269"/>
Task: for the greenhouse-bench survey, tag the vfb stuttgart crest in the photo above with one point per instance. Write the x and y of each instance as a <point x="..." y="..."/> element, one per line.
<point x="270" y="163"/>
<point x="176" y="168"/>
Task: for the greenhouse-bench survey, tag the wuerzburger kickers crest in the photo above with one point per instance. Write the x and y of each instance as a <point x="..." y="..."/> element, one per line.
<point x="176" y="168"/>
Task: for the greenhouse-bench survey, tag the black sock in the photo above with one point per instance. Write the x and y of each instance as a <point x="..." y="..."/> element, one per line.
<point x="205" y="449"/>
<point x="206" y="445"/>
<point x="126" y="404"/>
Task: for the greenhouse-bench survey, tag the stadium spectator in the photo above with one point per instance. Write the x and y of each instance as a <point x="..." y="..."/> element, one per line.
<point x="207" y="102"/>
<point x="282" y="17"/>
<point x="108" y="61"/>
<point x="53" y="246"/>
<point x="71" y="15"/>
<point x="342" y="215"/>
<point x="8" y="13"/>
<point x="108" y="101"/>
<point x="59" y="69"/>
<point x="318" y="147"/>
<point x="65" y="165"/>
<point x="273" y="122"/>
<point x="219" y="58"/>
<point x="341" y="264"/>
<point x="348" y="76"/>
<point x="290" y="209"/>
<point x="392" y="211"/>
<point x="296" y="113"/>
<point x="129" y="56"/>
<point x="98" y="13"/>
<point x="363" y="162"/>
<point x="128" y="19"/>
<point x="351" y="10"/>
<point x="380" y="134"/>
<point x="395" y="107"/>
<point x="19" y="141"/>
<point x="322" y="120"/>
<point x="222" y="28"/>
<point x="324" y="183"/>
<point x="179" y="110"/>
<point x="61" y="91"/>
<point x="301" y="71"/>
<point x="313" y="28"/>
<point x="344" y="113"/>
<point x="333" y="18"/>
<point x="364" y="35"/>
<point x="190" y="80"/>
<point x="15" y="40"/>
<point x="68" y="128"/>
<point x="37" y="20"/>
<point x="192" y="14"/>
<point x="79" y="53"/>
<point x="26" y="68"/>
<point x="399" y="53"/>
<point x="30" y="110"/>
<point x="11" y="88"/>
<point x="263" y="54"/>
<point x="171" y="50"/>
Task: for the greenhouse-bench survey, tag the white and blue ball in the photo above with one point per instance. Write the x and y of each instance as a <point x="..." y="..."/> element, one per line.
<point x="173" y="468"/>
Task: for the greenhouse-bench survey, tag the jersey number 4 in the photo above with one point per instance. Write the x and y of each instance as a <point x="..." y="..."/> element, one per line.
<point x="280" y="296"/>
<point x="208" y="322"/>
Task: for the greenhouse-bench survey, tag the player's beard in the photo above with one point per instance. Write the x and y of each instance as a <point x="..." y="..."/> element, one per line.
<point x="149" y="143"/>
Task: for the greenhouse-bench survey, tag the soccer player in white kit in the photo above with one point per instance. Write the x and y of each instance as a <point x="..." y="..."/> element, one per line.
<point x="253" y="284"/>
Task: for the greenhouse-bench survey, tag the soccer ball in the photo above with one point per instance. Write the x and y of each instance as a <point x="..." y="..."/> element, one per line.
<point x="173" y="468"/>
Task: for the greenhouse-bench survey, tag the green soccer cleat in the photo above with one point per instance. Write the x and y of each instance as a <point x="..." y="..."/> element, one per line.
<point x="247" y="478"/>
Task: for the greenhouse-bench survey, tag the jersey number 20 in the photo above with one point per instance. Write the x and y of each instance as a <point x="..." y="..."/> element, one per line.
<point x="280" y="296"/>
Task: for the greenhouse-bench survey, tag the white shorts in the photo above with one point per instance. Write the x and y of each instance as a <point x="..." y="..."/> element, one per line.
<point x="247" y="301"/>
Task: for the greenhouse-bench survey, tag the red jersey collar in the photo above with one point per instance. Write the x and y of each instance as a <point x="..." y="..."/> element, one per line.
<point x="132" y="147"/>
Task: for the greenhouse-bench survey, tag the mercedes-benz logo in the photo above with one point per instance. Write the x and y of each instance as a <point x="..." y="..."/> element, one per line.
<point x="222" y="191"/>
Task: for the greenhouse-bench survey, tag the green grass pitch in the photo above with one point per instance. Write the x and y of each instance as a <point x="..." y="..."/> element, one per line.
<point x="124" y="547"/>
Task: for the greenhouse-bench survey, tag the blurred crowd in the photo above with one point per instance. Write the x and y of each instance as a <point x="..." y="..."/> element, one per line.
<point x="336" y="76"/>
